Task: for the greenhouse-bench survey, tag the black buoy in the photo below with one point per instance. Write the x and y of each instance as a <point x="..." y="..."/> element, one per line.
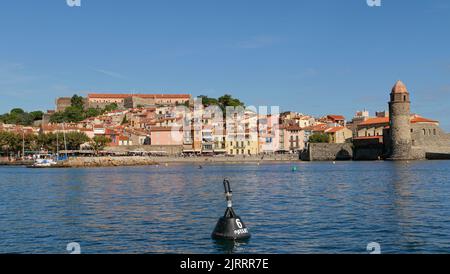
<point x="230" y="226"/>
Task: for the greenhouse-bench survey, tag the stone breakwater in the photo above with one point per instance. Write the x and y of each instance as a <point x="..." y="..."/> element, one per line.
<point x="146" y="160"/>
<point x="107" y="161"/>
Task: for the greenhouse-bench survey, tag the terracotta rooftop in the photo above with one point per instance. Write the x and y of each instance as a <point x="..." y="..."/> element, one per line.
<point x="334" y="129"/>
<point x="290" y="127"/>
<point x="336" y="117"/>
<point x="420" y="119"/>
<point x="385" y="120"/>
<point x="399" y="87"/>
<point x="375" y="121"/>
<point x="319" y="127"/>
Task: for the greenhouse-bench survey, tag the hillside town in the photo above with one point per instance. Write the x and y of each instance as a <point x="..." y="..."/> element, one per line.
<point x="181" y="125"/>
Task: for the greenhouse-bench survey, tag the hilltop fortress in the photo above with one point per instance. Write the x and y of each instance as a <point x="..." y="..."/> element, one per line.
<point x="100" y="100"/>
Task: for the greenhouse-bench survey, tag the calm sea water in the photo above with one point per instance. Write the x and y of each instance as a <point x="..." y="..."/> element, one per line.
<point x="321" y="208"/>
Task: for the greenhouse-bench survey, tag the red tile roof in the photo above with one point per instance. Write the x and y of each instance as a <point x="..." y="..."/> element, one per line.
<point x="375" y="121"/>
<point x="334" y="129"/>
<point x="319" y="127"/>
<point x="287" y="127"/>
<point x="385" y="120"/>
<point x="336" y="117"/>
<point x="419" y="119"/>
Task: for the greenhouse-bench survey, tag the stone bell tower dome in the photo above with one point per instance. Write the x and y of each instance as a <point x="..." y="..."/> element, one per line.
<point x="400" y="125"/>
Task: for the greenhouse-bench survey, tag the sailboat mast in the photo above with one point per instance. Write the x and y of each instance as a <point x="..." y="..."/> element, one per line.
<point x="57" y="145"/>
<point x="23" y="144"/>
<point x="65" y="143"/>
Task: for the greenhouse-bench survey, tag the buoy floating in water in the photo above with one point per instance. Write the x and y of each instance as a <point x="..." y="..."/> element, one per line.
<point x="230" y="226"/>
<point x="294" y="168"/>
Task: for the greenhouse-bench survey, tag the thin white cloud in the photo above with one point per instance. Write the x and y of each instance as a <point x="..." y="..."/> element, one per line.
<point x="109" y="73"/>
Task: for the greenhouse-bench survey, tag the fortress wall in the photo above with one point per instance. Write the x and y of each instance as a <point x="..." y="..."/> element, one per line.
<point x="328" y="152"/>
<point x="368" y="152"/>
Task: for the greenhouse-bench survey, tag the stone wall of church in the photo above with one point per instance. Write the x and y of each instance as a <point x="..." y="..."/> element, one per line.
<point x="429" y="139"/>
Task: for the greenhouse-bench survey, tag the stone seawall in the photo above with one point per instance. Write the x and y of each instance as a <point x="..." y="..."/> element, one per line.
<point x="15" y="163"/>
<point x="371" y="152"/>
<point x="107" y="161"/>
<point x="146" y="160"/>
<point x="328" y="152"/>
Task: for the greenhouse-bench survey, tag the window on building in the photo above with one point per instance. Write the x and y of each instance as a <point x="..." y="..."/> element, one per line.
<point x="424" y="131"/>
<point x="434" y="131"/>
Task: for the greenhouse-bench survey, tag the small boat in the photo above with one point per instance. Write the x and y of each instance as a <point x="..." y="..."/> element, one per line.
<point x="44" y="160"/>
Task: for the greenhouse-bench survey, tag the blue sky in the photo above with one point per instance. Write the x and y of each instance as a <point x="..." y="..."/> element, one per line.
<point x="316" y="57"/>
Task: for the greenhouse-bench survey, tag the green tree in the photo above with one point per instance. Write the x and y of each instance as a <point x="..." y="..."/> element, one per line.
<point x="93" y="112"/>
<point x="228" y="101"/>
<point x="99" y="143"/>
<point x="74" y="114"/>
<point x="18" y="116"/>
<point x="223" y="101"/>
<point x="207" y="101"/>
<point x="110" y="107"/>
<point x="77" y="102"/>
<point x="58" y="117"/>
<point x="319" y="138"/>
<point x="17" y="111"/>
<point x="74" y="140"/>
<point x="10" y="142"/>
<point x="4" y="141"/>
<point x="36" y="115"/>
